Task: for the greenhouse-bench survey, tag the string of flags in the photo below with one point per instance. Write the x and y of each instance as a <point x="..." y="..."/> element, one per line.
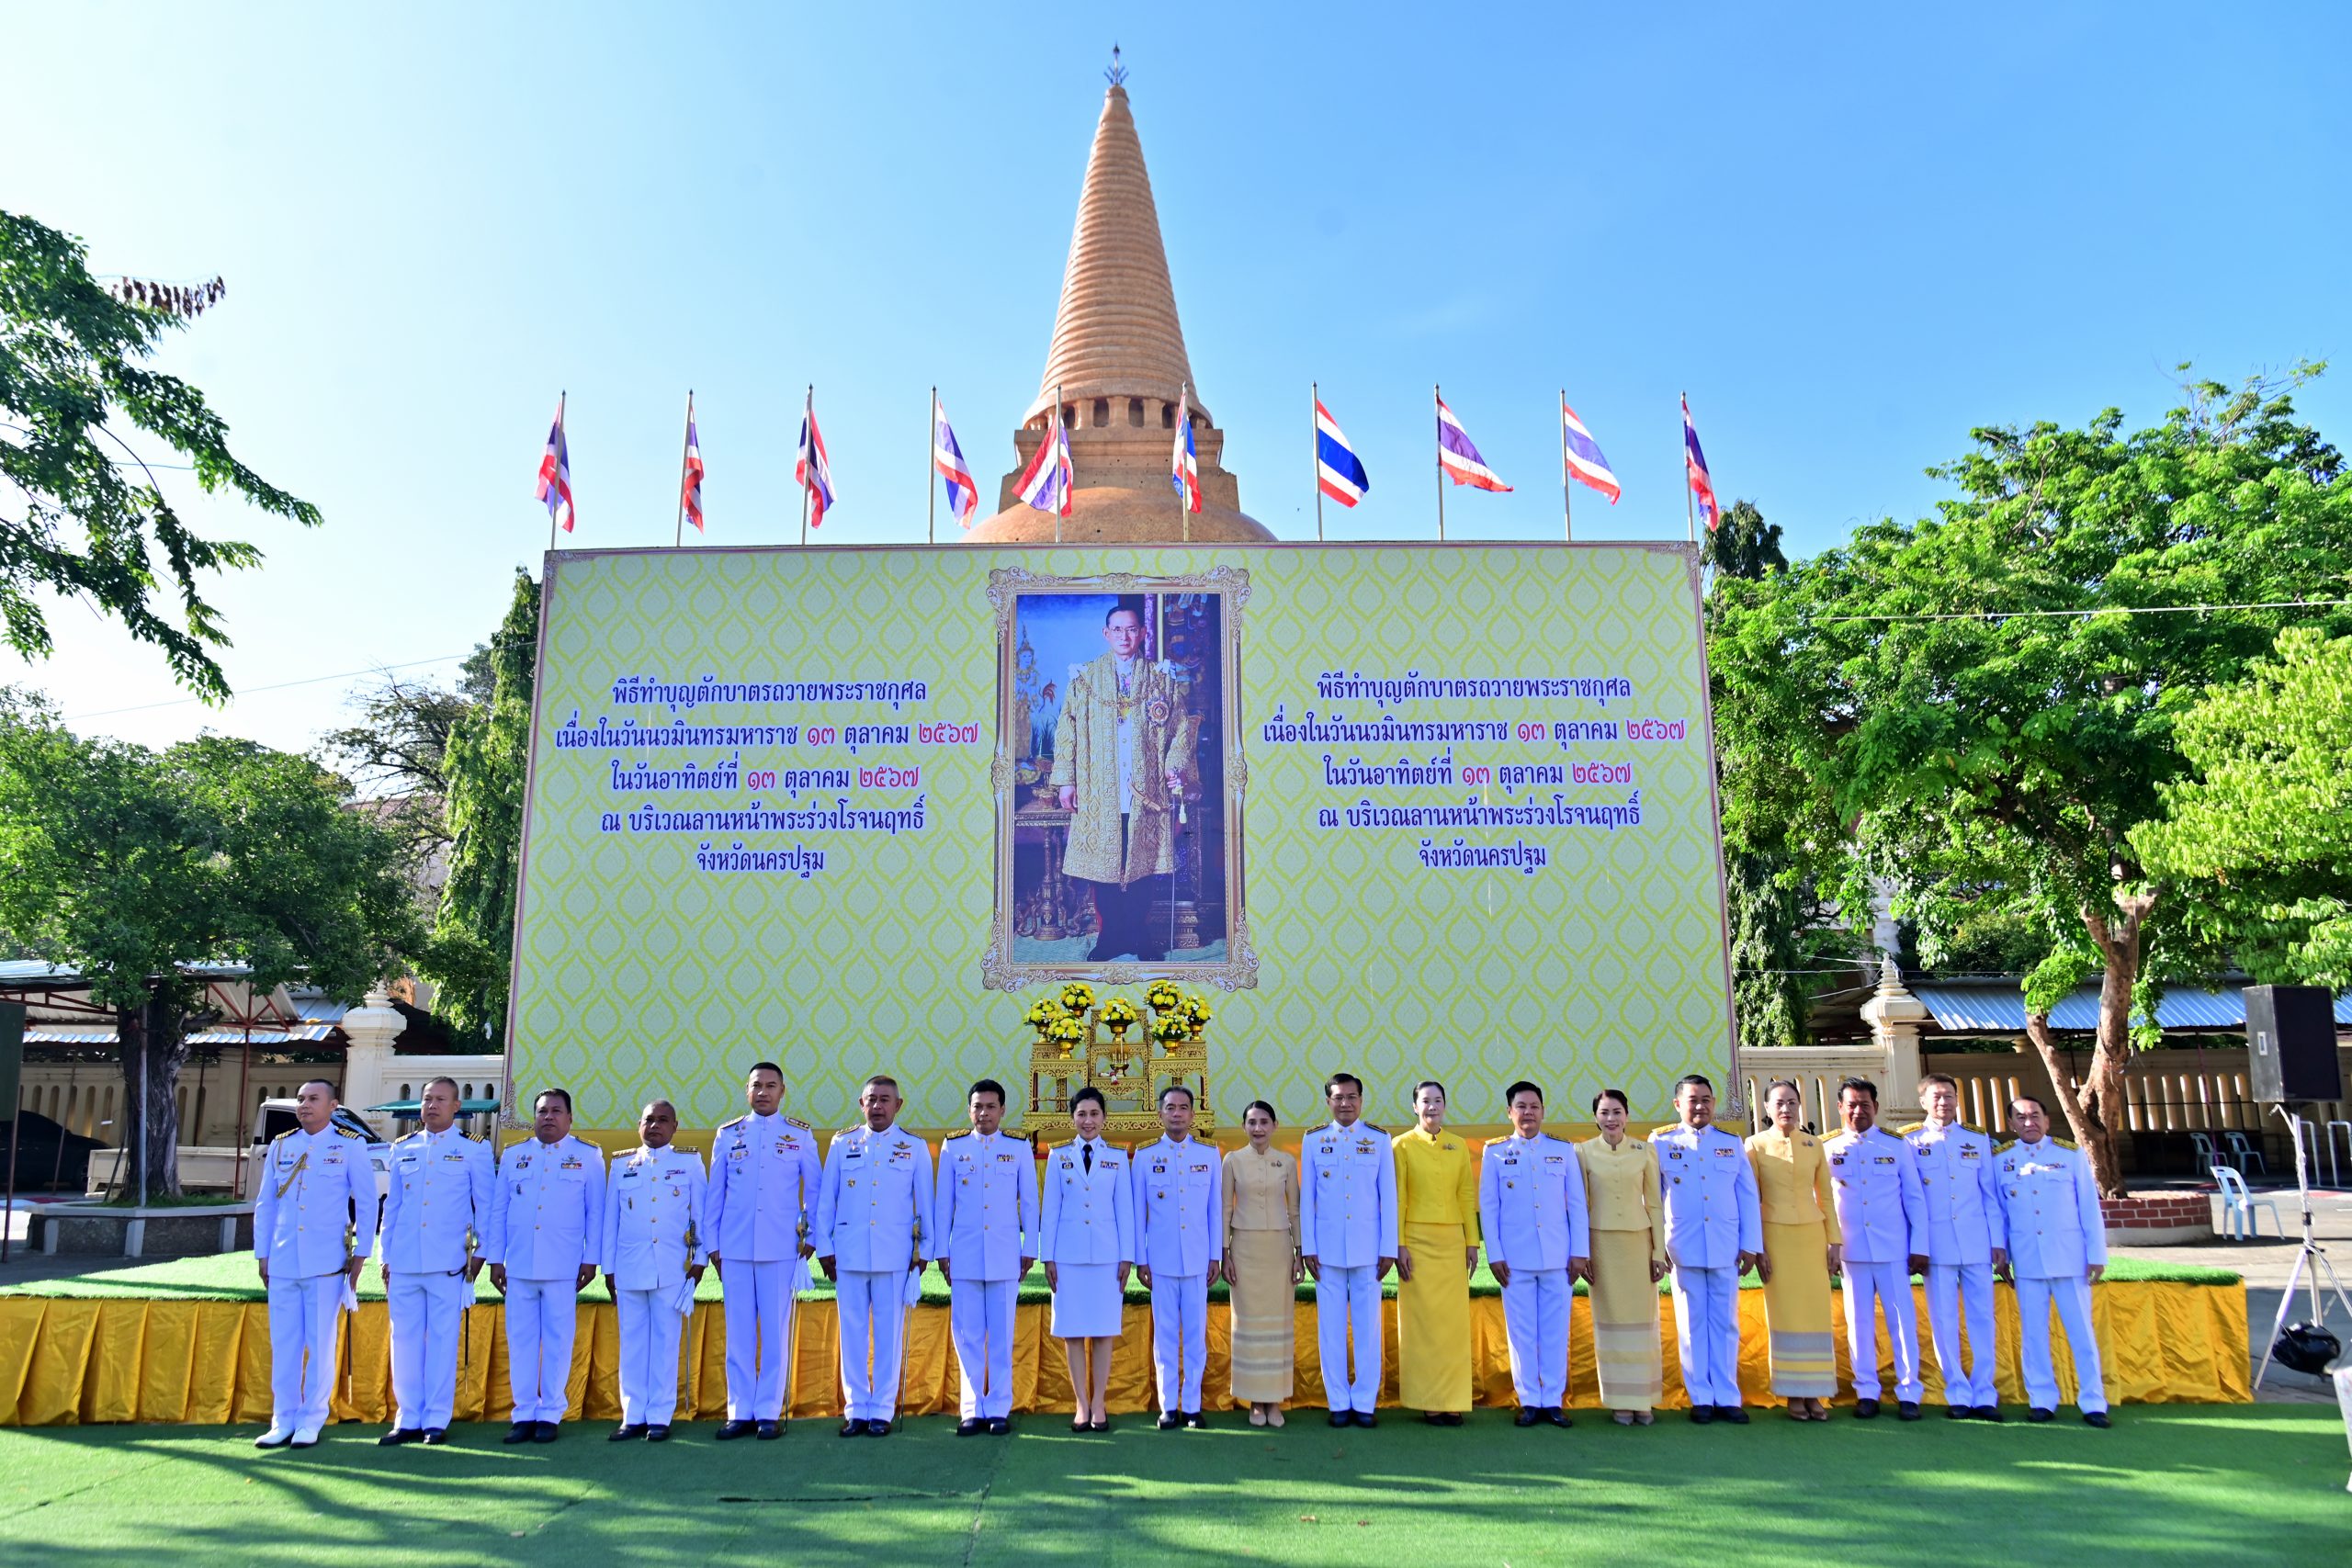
<point x="185" y="299"/>
<point x="1048" y="481"/>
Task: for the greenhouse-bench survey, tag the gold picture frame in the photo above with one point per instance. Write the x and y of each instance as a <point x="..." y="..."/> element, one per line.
<point x="1000" y="969"/>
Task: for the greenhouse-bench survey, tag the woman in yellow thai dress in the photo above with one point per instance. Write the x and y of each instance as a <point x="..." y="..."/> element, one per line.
<point x="1801" y="1245"/>
<point x="1628" y="1216"/>
<point x="1437" y="1211"/>
<point x="1261" y="1264"/>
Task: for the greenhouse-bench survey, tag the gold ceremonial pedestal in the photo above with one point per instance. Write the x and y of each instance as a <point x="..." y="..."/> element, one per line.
<point x="1130" y="1070"/>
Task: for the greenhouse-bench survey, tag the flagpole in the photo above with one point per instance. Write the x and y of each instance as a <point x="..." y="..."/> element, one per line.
<point x="678" y="537"/>
<point x="1689" y="506"/>
<point x="1184" y="505"/>
<point x="561" y="398"/>
<point x="931" y="491"/>
<point x="1315" y="450"/>
<point x="808" y="458"/>
<point x="1567" y="492"/>
<point x="1057" y="434"/>
<point x="1436" y="401"/>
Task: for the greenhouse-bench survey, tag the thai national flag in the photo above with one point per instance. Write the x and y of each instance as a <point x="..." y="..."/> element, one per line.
<point x="947" y="461"/>
<point x="555" y="475"/>
<point x="1458" y="457"/>
<point x="1187" y="473"/>
<point x="811" y="468"/>
<point x="1585" y="461"/>
<point x="1694" y="462"/>
<point x="1338" y="469"/>
<point x="1045" y="483"/>
<point x="690" y="488"/>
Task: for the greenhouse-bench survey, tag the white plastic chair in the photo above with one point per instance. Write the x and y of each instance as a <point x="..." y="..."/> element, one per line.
<point x="2238" y="1207"/>
<point x="2241" y="1151"/>
<point x="2202" y="1143"/>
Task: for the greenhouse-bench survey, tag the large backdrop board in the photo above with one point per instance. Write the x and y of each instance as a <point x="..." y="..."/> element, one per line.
<point x="1417" y="810"/>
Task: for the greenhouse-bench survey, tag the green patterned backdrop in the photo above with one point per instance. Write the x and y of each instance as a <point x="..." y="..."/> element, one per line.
<point x="639" y="972"/>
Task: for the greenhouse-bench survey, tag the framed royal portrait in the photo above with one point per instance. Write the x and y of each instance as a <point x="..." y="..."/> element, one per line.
<point x="1118" y="779"/>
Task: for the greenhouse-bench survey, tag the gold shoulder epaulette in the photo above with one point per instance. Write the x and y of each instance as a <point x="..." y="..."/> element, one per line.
<point x="473" y="1138"/>
<point x="586" y="1143"/>
<point x="285" y="1134"/>
<point x="737" y="1122"/>
<point x="1376" y="1127"/>
<point x="947" y="1138"/>
<point x="1019" y="1137"/>
<point x="1908" y="1128"/>
<point x="795" y="1122"/>
<point x="404" y="1138"/>
<point x="342" y="1132"/>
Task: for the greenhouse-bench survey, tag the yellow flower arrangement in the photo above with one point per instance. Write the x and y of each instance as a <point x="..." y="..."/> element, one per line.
<point x="1164" y="997"/>
<point x="1065" y="1032"/>
<point x="1119" y="1016"/>
<point x="1078" y="998"/>
<point x="1043" y="1014"/>
<point x="1170" y="1031"/>
<point x="1195" y="1012"/>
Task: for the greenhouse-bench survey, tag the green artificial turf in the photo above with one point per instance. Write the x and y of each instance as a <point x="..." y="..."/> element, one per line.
<point x="2168" y="1484"/>
<point x="231" y="1276"/>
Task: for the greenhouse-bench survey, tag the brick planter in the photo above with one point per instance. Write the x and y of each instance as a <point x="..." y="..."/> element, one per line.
<point x="177" y="1232"/>
<point x="2158" y="1219"/>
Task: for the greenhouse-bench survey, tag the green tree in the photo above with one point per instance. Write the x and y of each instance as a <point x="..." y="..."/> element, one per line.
<point x="129" y="865"/>
<point x="471" y="955"/>
<point x="399" y="752"/>
<point x="1992" y="697"/>
<point x="90" y="519"/>
<point x="2265" y="822"/>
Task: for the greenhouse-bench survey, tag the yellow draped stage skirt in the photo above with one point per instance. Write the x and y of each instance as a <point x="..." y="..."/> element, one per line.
<point x="1796" y="1311"/>
<point x="1624" y="1321"/>
<point x="1433" y="1322"/>
<point x="1265" y="1313"/>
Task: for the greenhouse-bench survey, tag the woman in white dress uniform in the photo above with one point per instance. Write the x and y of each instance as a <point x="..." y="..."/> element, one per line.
<point x="1087" y="1242"/>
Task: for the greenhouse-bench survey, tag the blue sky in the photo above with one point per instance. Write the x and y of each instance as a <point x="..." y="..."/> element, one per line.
<point x="1850" y="234"/>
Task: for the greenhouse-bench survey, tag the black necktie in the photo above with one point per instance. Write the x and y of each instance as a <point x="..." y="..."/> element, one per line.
<point x="1088" y="1152"/>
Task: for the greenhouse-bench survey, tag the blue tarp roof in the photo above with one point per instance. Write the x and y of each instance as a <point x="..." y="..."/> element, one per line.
<point x="1997" y="1005"/>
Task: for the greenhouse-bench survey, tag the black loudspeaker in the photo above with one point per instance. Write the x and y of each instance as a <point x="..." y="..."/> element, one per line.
<point x="2290" y="1043"/>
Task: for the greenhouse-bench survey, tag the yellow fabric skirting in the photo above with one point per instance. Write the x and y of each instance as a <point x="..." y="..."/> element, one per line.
<point x="1625" y="1349"/>
<point x="1433" y="1340"/>
<point x="67" y="1362"/>
<point x="1264" y="1318"/>
<point x="1801" y="1345"/>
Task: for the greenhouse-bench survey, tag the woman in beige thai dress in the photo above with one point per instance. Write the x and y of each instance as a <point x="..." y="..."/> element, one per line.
<point x="1799" y="1254"/>
<point x="1261" y="1264"/>
<point x="1628" y="1218"/>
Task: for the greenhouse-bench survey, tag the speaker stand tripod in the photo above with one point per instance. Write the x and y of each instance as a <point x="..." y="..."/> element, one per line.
<point x="2311" y="1261"/>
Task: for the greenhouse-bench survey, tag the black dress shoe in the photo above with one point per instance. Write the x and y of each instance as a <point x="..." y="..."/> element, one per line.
<point x="731" y="1431"/>
<point x="1448" y="1418"/>
<point x="998" y="1426"/>
<point x="628" y="1432"/>
<point x="970" y="1428"/>
<point x="877" y="1428"/>
<point x="1559" y="1417"/>
<point x="1701" y="1415"/>
<point x="1734" y="1414"/>
<point x="657" y="1434"/>
<point x="1366" y="1418"/>
<point x="1342" y="1419"/>
<point x="1528" y="1415"/>
<point x="1172" y="1419"/>
<point x="398" y="1435"/>
<point x="1990" y="1413"/>
<point x="521" y="1432"/>
<point x="1958" y="1411"/>
<point x="770" y="1431"/>
<point x="2039" y="1414"/>
<point x="1908" y="1410"/>
<point x="2097" y="1419"/>
<point x="544" y="1432"/>
<point x="854" y="1428"/>
<point x="1865" y="1409"/>
<point x="1194" y="1419"/>
<point x="434" y="1436"/>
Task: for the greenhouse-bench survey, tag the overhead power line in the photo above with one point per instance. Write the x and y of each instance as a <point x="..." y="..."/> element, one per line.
<point x="2103" y="609"/>
<point x="277" y="686"/>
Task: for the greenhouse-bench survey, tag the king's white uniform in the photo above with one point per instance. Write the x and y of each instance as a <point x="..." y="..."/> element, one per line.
<point x="1712" y="1214"/>
<point x="2049" y="1210"/>
<point x="1180" y="1230"/>
<point x="546" y="1214"/>
<point x="1963" y="1195"/>
<point x="1875" y="1186"/>
<point x="873" y="1215"/>
<point x="763" y="1188"/>
<point x="315" y="1211"/>
<point x="1531" y="1212"/>
<point x="653" y="1233"/>
<point x="436" y="1212"/>
<point x="1347" y="1223"/>
<point x="985" y="1209"/>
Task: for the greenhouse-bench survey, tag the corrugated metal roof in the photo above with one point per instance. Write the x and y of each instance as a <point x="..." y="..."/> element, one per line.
<point x="1998" y="1006"/>
<point x="300" y="1036"/>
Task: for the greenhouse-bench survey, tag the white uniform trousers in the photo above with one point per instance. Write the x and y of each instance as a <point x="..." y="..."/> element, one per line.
<point x="427" y="1313"/>
<point x="541" y="1317"/>
<point x="1706" y="1333"/>
<point x="302" y="1327"/>
<point x="875" y="1305"/>
<point x="1180" y="1338"/>
<point x="758" y="1299"/>
<point x="649" y="1370"/>
<point x="1953" y="1288"/>
<point x="1888" y="1285"/>
<point x="2072" y="1297"/>
<point x="1535" y="1314"/>
<point x="980" y="1314"/>
<point x="1348" y="1298"/>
